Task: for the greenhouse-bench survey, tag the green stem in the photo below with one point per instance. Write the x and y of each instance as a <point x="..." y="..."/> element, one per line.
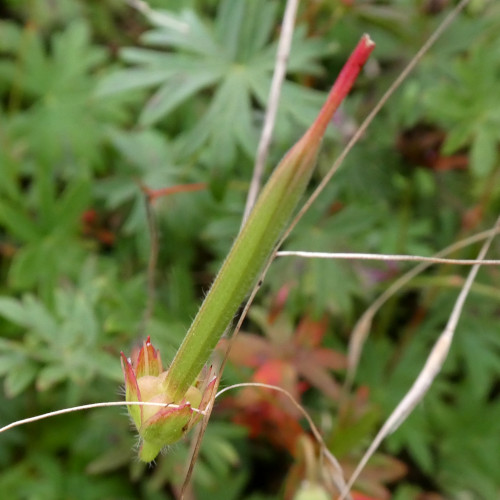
<point x="258" y="237"/>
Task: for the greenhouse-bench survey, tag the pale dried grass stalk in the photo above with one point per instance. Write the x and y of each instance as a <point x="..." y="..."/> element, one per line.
<point x="362" y="328"/>
<point x="90" y="406"/>
<point x="384" y="257"/>
<point x="338" y="478"/>
<point x="432" y="367"/>
<point x="282" y="55"/>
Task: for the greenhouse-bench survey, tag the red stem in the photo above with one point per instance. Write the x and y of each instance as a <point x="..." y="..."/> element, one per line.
<point x="153" y="194"/>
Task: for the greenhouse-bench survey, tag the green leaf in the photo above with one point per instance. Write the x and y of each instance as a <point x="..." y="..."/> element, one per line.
<point x="14" y="311"/>
<point x="19" y="378"/>
<point x="70" y="207"/>
<point x="43" y="323"/>
<point x="57" y="98"/>
<point x="9" y="362"/>
<point x="147" y="151"/>
<point x="25" y="267"/>
<point x="14" y="218"/>
<point x="459" y="136"/>
<point x="230" y="18"/>
<point x="105" y="365"/>
<point x="130" y="79"/>
<point x="196" y="39"/>
<point x="50" y="375"/>
<point x="172" y="93"/>
<point x="11" y="36"/>
<point x="484" y="151"/>
<point x="83" y="320"/>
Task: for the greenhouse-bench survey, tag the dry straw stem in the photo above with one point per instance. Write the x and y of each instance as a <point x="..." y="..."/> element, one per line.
<point x="362" y="328"/>
<point x="337" y="478"/>
<point x="282" y="55"/>
<point x="432" y="367"/>
<point x="384" y="257"/>
<point x="91" y="406"/>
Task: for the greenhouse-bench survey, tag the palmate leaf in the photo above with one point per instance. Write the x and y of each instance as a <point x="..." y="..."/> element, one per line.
<point x="55" y="97"/>
<point x="44" y="221"/>
<point x="62" y="68"/>
<point x="467" y="454"/>
<point x="465" y="103"/>
<point x="173" y="92"/>
<point x="233" y="58"/>
<point x="60" y="342"/>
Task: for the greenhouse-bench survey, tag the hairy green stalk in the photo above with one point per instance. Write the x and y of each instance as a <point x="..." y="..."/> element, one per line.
<point x="258" y="237"/>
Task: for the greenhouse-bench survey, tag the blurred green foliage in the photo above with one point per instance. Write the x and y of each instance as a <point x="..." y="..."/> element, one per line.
<point x="97" y="100"/>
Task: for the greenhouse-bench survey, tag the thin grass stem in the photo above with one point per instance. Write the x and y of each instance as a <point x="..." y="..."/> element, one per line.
<point x="384" y="257"/>
<point x="362" y="328"/>
<point x="90" y="406"/>
<point x="282" y="55"/>
<point x="432" y="367"/>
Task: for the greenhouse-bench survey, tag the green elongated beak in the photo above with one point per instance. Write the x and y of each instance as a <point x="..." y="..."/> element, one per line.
<point x="258" y="237"/>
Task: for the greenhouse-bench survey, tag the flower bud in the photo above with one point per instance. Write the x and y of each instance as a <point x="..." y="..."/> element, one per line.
<point x="159" y="426"/>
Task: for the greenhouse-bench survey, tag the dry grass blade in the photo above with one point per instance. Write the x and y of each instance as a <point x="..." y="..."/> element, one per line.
<point x="362" y="328"/>
<point x="384" y="257"/>
<point x="90" y="406"/>
<point x="432" y="367"/>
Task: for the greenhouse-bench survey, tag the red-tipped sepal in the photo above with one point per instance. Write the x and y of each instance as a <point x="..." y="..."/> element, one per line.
<point x="165" y="420"/>
<point x="148" y="361"/>
<point x="132" y="392"/>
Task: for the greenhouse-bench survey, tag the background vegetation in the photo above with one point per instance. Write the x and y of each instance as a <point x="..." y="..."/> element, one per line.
<point x="97" y="102"/>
